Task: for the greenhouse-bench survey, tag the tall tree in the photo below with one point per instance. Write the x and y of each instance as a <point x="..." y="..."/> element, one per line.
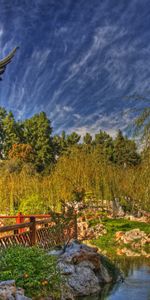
<point x="125" y="151"/>
<point x="60" y="143"/>
<point x="73" y="139"/>
<point x="87" y="139"/>
<point x="3" y="114"/>
<point x="10" y="132"/>
<point x="143" y="125"/>
<point x="105" y="143"/>
<point x="37" y="133"/>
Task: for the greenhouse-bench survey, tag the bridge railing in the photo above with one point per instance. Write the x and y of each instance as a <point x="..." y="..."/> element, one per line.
<point x="43" y="233"/>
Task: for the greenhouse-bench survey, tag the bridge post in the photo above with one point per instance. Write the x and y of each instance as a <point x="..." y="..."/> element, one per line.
<point x="19" y="220"/>
<point x="33" y="231"/>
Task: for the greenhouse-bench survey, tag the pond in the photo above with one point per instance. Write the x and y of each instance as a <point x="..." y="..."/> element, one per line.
<point x="136" y="285"/>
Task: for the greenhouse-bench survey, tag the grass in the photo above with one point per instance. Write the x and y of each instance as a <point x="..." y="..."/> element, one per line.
<point x="108" y="242"/>
<point x="32" y="269"/>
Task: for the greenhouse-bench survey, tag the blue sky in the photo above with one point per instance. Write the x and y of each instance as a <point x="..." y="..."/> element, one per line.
<point x="78" y="61"/>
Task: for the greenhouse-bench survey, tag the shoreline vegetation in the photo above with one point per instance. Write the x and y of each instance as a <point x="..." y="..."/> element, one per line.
<point x="35" y="270"/>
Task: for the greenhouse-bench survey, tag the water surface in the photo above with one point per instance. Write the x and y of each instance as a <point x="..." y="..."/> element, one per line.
<point x="136" y="285"/>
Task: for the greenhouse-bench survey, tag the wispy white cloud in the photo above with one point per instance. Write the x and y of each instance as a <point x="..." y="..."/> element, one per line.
<point x="1" y="31"/>
<point x="77" y="116"/>
<point x="75" y="63"/>
<point x="39" y="57"/>
<point x="110" y="123"/>
<point x="61" y="112"/>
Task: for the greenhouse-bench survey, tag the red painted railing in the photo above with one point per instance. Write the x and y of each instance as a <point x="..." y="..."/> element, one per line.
<point x="20" y="218"/>
<point x="44" y="233"/>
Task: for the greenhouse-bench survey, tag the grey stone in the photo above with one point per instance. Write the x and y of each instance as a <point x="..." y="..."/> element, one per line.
<point x="8" y="291"/>
<point x="84" y="282"/>
<point x="66" y="268"/>
<point x="56" y="252"/>
<point x="21" y="297"/>
<point x="7" y="282"/>
<point x="82" y="271"/>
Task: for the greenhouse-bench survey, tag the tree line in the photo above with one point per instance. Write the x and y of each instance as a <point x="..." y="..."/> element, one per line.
<point x="32" y="141"/>
<point x="39" y="170"/>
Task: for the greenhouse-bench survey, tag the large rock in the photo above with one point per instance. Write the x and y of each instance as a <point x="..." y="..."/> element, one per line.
<point x="85" y="231"/>
<point x="9" y="291"/>
<point x="84" y="271"/>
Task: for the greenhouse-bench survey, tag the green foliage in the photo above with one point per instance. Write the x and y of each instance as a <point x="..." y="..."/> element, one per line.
<point x="33" y="204"/>
<point x="78" y="195"/>
<point x="108" y="242"/>
<point x="125" y="152"/>
<point x="64" y="142"/>
<point x="126" y="204"/>
<point x="87" y="139"/>
<point x="10" y="132"/>
<point x="114" y="225"/>
<point x="32" y="269"/>
<point x="73" y="139"/>
<point x="60" y="143"/>
<point x="105" y="144"/>
<point x="106" y="167"/>
<point x="142" y="125"/>
<point x="3" y="114"/>
<point x="102" y="138"/>
<point x="37" y="133"/>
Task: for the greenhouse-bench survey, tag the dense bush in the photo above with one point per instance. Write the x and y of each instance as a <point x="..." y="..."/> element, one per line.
<point x="33" y="204"/>
<point x="75" y="171"/>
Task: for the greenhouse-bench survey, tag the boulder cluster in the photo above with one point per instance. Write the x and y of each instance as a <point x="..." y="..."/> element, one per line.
<point x="85" y="231"/>
<point x="84" y="271"/>
<point x="136" y="239"/>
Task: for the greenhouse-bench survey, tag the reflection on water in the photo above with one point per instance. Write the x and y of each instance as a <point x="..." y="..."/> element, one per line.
<point x="136" y="285"/>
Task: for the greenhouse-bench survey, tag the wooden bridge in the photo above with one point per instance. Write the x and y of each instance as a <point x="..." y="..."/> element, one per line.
<point x="41" y="230"/>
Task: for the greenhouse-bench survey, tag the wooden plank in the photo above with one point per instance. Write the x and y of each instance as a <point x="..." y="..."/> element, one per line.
<point x="44" y="221"/>
<point x="14" y="227"/>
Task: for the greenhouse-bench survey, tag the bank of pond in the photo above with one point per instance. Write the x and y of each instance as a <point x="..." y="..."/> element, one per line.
<point x="36" y="270"/>
<point x="136" y="284"/>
